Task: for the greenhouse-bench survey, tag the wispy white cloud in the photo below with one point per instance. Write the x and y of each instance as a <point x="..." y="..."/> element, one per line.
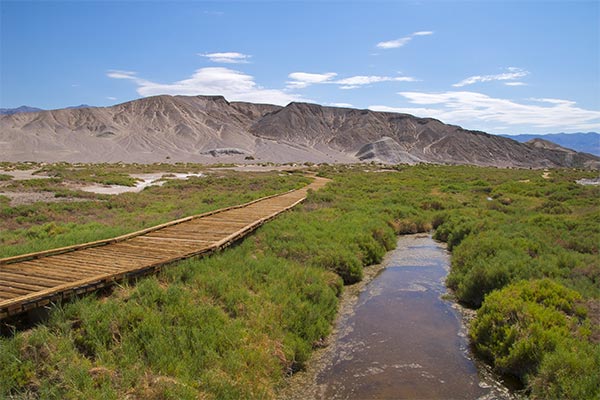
<point x="393" y="44"/>
<point x="343" y="105"/>
<point x="111" y="98"/>
<point x="119" y="74"/>
<point x="477" y="109"/>
<point x="512" y="74"/>
<point x="234" y="85"/>
<point x="515" y="83"/>
<point x="553" y="101"/>
<point x="229" y="57"/>
<point x="362" y="80"/>
<point x="303" y="79"/>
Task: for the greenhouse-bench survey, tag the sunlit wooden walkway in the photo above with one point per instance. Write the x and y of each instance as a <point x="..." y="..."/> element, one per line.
<point x="34" y="280"/>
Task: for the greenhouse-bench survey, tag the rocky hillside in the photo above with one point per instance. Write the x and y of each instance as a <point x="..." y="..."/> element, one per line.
<point x="211" y="129"/>
<point x="562" y="155"/>
<point x="588" y="142"/>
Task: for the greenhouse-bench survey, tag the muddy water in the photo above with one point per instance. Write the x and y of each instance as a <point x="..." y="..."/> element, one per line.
<point x="398" y="339"/>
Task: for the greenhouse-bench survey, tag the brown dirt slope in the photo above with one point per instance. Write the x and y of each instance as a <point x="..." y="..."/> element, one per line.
<point x="209" y="129"/>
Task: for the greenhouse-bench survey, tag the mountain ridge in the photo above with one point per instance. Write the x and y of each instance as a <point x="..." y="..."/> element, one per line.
<point x="587" y="142"/>
<point x="17" y="110"/>
<point x="205" y="129"/>
<point x="27" y="109"/>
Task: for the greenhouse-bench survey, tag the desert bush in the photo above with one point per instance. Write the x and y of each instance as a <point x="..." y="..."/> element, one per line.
<point x="521" y="323"/>
<point x="570" y="372"/>
<point x="488" y="261"/>
<point x="554" y="207"/>
<point x="454" y="229"/>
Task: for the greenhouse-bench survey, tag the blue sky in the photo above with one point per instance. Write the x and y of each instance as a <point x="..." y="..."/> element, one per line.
<point x="502" y="67"/>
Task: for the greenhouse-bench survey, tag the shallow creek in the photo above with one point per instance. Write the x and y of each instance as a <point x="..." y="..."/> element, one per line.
<point x="397" y="338"/>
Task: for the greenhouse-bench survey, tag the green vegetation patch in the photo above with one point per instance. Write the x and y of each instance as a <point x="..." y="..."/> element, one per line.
<point x="539" y="329"/>
<point x="224" y="327"/>
<point x="525" y="251"/>
<point x="41" y="226"/>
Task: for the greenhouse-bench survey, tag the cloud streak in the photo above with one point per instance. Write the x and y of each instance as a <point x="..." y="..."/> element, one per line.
<point x="301" y="80"/>
<point x="394" y="44"/>
<point x="342" y="105"/>
<point x="471" y="108"/>
<point x="227" y="57"/>
<point x="232" y="84"/>
<point x="362" y="80"/>
<point x="512" y="74"/>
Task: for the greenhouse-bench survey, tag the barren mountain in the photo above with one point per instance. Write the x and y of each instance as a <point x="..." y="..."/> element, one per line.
<point x="210" y="129"/>
<point x="587" y="142"/>
<point x="562" y="155"/>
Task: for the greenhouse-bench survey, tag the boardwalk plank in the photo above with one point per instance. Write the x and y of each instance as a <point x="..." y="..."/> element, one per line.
<point x="31" y="280"/>
<point x="77" y="268"/>
<point x="50" y="271"/>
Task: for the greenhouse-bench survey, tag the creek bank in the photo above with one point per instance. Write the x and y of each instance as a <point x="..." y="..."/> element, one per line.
<point x="397" y="336"/>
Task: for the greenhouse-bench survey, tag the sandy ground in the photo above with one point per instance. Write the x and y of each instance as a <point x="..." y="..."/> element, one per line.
<point x="23" y="198"/>
<point x="593" y="182"/>
<point x="23" y="175"/>
<point x="144" y="181"/>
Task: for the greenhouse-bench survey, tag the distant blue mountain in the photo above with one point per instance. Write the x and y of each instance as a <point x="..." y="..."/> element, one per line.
<point x="22" y="109"/>
<point x="585" y="142"/>
<point x="79" y="106"/>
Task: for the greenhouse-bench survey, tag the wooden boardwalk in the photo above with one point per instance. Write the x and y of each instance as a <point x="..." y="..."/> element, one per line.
<point x="34" y="280"/>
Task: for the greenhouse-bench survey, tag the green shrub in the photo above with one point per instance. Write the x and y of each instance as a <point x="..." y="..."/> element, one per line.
<point x="571" y="372"/>
<point x="554" y="207"/>
<point x="485" y="262"/>
<point x="518" y="325"/>
<point x="454" y="229"/>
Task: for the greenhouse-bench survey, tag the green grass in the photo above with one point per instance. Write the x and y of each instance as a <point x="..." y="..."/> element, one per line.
<point x="224" y="327"/>
<point x="525" y="252"/>
<point x="42" y="226"/>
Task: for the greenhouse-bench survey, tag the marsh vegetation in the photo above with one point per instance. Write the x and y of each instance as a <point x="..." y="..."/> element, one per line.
<point x="524" y="253"/>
